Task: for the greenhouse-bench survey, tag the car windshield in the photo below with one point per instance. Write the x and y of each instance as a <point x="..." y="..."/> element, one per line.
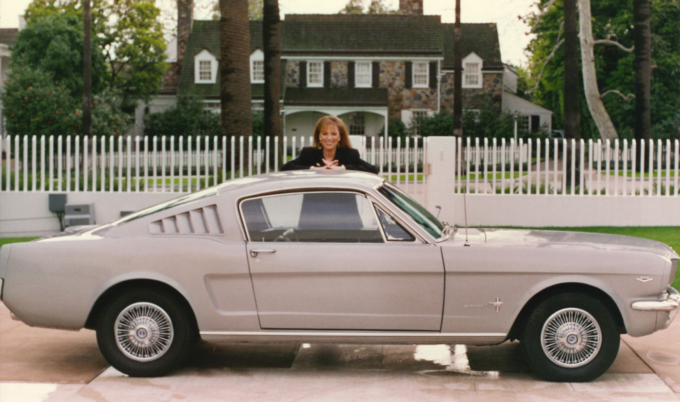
<point x="419" y="214"/>
<point x="209" y="192"/>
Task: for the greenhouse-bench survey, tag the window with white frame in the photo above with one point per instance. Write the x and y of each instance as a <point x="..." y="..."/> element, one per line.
<point x="357" y="124"/>
<point x="257" y="67"/>
<point x="315" y="74"/>
<point x="421" y="76"/>
<point x="472" y="71"/>
<point x="363" y="74"/>
<point x="415" y="120"/>
<point x="524" y="123"/>
<point x="472" y="74"/>
<point x="205" y="68"/>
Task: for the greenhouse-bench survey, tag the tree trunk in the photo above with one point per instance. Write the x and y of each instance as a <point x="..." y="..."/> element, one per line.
<point x="271" y="37"/>
<point x="572" y="102"/>
<point x="87" y="69"/>
<point x="458" y="75"/>
<point x="572" y="106"/>
<point x="643" y="73"/>
<point x="597" y="110"/>
<point x="235" y="94"/>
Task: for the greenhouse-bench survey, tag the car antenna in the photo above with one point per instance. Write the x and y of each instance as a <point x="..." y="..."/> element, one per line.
<point x="467" y="243"/>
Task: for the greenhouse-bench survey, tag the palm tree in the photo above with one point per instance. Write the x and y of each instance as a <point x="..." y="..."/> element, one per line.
<point x="457" y="75"/>
<point x="643" y="72"/>
<point x="235" y="94"/>
<point x="572" y="101"/>
<point x="87" y="69"/>
<point x="271" y="37"/>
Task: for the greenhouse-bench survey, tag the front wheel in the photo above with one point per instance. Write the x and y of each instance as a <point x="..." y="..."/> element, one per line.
<point x="144" y="333"/>
<point x="570" y="337"/>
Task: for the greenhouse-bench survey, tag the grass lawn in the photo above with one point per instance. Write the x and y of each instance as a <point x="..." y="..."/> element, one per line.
<point x="637" y="174"/>
<point x="668" y="235"/>
<point x="8" y="240"/>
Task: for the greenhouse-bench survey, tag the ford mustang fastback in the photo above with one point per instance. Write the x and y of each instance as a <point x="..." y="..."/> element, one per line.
<point x="345" y="257"/>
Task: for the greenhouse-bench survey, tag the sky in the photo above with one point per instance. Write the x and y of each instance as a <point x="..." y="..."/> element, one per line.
<point x="511" y="30"/>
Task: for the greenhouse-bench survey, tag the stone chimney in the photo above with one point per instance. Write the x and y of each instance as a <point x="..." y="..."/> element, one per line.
<point x="411" y="7"/>
<point x="185" y="20"/>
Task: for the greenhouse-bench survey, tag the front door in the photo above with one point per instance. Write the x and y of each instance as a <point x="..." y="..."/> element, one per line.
<point x="319" y="260"/>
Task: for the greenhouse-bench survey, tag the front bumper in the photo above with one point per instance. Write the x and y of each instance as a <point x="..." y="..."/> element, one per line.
<point x="670" y="299"/>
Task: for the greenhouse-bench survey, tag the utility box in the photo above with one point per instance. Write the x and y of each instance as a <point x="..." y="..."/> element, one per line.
<point x="77" y="215"/>
<point x="57" y="202"/>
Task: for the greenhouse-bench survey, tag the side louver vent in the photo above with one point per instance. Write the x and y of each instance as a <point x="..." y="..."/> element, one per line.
<point x="204" y="220"/>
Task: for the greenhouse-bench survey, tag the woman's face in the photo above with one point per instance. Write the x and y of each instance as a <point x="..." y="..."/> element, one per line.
<point x="329" y="136"/>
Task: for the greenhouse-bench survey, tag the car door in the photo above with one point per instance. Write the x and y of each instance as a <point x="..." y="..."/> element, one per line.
<point x="320" y="260"/>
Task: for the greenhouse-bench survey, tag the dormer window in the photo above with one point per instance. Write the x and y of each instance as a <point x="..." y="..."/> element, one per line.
<point x="363" y="74"/>
<point x="315" y="74"/>
<point x="472" y="71"/>
<point x="421" y="77"/>
<point x="257" y="67"/>
<point x="205" y="68"/>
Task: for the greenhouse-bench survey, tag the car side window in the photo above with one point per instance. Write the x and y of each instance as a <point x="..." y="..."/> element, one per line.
<point x="317" y="217"/>
<point x="393" y="230"/>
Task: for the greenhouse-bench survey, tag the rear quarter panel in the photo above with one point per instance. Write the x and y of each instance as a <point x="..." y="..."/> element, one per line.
<point x="55" y="283"/>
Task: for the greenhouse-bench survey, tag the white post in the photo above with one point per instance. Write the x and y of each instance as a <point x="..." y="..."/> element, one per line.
<point x="42" y="162"/>
<point x="86" y="163"/>
<point x="68" y="162"/>
<point x="34" y="160"/>
<point x="181" y="163"/>
<point x="128" y="153"/>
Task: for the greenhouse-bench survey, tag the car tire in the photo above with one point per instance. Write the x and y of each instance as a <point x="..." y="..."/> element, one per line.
<point x="570" y="337"/>
<point x="144" y="333"/>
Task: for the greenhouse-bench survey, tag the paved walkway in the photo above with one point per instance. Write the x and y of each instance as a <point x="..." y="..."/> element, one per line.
<point x="48" y="365"/>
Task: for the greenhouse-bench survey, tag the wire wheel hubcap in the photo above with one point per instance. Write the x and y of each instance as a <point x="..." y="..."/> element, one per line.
<point x="571" y="338"/>
<point x="143" y="332"/>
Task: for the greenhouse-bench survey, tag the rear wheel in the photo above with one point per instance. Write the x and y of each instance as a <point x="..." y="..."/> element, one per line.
<point x="144" y="333"/>
<point x="570" y="337"/>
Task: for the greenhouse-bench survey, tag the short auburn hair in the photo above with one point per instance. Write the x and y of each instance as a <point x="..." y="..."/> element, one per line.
<point x="342" y="128"/>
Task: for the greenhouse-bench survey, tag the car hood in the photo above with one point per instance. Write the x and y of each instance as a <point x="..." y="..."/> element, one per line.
<point x="563" y="239"/>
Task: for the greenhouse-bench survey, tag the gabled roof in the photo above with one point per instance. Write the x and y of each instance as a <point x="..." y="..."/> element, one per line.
<point x="8" y="36"/>
<point x="365" y="34"/>
<point x="479" y="38"/>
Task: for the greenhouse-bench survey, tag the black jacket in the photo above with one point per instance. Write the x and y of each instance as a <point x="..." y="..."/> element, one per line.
<point x="347" y="157"/>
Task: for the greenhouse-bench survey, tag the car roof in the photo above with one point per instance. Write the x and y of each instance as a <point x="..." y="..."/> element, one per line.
<point x="281" y="181"/>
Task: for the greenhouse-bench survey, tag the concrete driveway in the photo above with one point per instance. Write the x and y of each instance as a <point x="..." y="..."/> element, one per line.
<point x="49" y="365"/>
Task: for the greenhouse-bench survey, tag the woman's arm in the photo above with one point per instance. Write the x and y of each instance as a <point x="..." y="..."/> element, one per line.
<point x="356" y="163"/>
<point x="303" y="161"/>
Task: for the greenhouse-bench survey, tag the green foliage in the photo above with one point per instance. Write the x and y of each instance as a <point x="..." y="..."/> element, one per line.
<point x="54" y="45"/>
<point x="485" y="124"/>
<point x="395" y="129"/>
<point x="186" y="118"/>
<point x="258" y="123"/>
<point x="35" y="104"/>
<point x="615" y="67"/>
<point x="357" y="7"/>
<point x="130" y="41"/>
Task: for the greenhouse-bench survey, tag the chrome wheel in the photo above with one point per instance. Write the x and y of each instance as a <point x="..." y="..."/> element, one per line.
<point x="571" y="338"/>
<point x="143" y="332"/>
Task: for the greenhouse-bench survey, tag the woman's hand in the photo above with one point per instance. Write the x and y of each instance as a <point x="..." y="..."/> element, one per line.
<point x="330" y="164"/>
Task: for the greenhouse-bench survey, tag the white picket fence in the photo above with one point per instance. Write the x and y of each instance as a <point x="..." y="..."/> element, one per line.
<point x="482" y="166"/>
<point x="175" y="164"/>
<point x="543" y="167"/>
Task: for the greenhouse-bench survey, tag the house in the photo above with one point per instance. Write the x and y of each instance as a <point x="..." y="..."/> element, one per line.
<point x="530" y="116"/>
<point x="7" y="38"/>
<point x="365" y="69"/>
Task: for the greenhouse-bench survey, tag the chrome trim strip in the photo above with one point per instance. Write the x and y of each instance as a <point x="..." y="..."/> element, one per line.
<point x="670" y="302"/>
<point x="385" y="334"/>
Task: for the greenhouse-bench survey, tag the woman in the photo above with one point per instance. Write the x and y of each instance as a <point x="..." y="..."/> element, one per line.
<point x="331" y="150"/>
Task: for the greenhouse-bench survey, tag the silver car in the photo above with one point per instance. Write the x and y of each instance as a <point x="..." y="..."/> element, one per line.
<point x="331" y="256"/>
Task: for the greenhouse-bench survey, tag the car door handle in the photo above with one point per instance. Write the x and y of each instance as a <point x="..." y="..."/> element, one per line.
<point x="254" y="253"/>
